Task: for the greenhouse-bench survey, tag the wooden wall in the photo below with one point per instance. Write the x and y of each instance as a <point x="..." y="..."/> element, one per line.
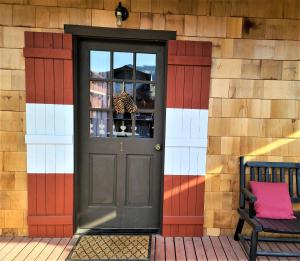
<point x="254" y="96"/>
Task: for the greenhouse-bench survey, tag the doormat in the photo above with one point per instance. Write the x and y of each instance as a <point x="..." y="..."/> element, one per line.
<point x="112" y="247"/>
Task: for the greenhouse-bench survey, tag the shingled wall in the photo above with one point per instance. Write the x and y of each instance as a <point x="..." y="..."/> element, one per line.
<point x="254" y="97"/>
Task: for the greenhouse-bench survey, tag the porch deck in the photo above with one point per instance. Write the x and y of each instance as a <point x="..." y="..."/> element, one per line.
<point x="178" y="248"/>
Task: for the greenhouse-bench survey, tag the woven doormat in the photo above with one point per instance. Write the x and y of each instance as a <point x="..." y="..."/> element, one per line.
<point x="111" y="247"/>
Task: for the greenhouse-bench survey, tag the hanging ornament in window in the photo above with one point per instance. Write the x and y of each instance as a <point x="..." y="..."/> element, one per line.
<point x="124" y="102"/>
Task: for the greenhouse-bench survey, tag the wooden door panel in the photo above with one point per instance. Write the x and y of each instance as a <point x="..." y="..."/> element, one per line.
<point x="120" y="175"/>
<point x="139" y="170"/>
<point x="102" y="179"/>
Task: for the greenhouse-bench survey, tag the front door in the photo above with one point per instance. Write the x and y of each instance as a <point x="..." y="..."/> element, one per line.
<point x="119" y="151"/>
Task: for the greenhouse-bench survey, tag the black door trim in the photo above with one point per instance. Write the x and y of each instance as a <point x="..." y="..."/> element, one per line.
<point x="88" y="32"/>
<point x="120" y="33"/>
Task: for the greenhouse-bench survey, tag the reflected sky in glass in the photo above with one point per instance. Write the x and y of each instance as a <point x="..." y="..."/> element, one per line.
<point x="146" y="63"/>
<point x="100" y="63"/>
<point x="122" y="58"/>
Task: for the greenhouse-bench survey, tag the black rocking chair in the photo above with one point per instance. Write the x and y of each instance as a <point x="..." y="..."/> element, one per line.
<point x="267" y="172"/>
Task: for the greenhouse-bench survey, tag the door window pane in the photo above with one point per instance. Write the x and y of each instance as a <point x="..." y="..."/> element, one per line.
<point x="122" y="126"/>
<point x="100" y="64"/>
<point x="123" y="65"/>
<point x="146" y="66"/>
<point x="145" y="95"/>
<point x="144" y="125"/>
<point x="99" y="124"/>
<point x="99" y="95"/>
<point x="118" y="87"/>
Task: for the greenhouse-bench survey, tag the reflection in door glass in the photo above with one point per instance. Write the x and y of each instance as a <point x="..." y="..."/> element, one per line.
<point x="99" y="64"/>
<point x="99" y="95"/>
<point x="146" y="66"/>
<point x="123" y="65"/>
<point x="99" y="124"/>
<point x="118" y="88"/>
<point x="122" y="126"/>
<point x="144" y="125"/>
<point x="145" y="95"/>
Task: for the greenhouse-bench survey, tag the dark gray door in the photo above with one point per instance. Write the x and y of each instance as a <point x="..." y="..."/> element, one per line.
<point x="119" y="160"/>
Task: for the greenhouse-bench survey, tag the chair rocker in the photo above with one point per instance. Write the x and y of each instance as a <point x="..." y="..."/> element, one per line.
<point x="267" y="172"/>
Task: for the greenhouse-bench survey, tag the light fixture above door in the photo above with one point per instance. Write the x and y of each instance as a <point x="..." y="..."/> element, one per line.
<point x="121" y="14"/>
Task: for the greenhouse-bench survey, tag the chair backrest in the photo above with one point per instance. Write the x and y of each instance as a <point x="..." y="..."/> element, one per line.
<point x="288" y="172"/>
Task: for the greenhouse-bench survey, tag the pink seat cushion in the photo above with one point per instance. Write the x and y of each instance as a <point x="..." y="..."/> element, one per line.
<point x="273" y="200"/>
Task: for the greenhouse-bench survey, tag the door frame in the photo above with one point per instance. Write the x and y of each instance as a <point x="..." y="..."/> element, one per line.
<point x="88" y="32"/>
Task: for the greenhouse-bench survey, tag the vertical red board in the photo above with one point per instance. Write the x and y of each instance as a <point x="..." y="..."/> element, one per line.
<point x="30" y="81"/>
<point x="41" y="200"/>
<point x="29" y="39"/>
<point x="184" y="191"/>
<point x="68" y="82"/>
<point x="205" y="87"/>
<point x="192" y="203"/>
<point x="180" y="77"/>
<point x="48" y="40"/>
<point x="49" y="81"/>
<point x="175" y="202"/>
<point x="50" y="202"/>
<point x="200" y="202"/>
<point x="57" y="40"/>
<point x="59" y="201"/>
<point x="58" y="82"/>
<point x="68" y="205"/>
<point x="38" y="39"/>
<point x="39" y="80"/>
<point x="171" y="88"/>
<point x="167" y="203"/>
<point x="197" y="86"/>
<point x="67" y="41"/>
<point x="32" y="200"/>
<point x="188" y="87"/>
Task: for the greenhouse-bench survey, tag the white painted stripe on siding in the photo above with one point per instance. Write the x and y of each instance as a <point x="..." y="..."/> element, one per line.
<point x="49" y="138"/>
<point x="49" y="119"/>
<point x="50" y="158"/>
<point x="186" y="141"/>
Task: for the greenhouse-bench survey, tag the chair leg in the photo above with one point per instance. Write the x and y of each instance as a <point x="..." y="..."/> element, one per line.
<point x="253" y="246"/>
<point x="239" y="229"/>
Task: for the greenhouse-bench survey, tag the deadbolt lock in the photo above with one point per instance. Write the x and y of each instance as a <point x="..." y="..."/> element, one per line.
<point x="157" y="147"/>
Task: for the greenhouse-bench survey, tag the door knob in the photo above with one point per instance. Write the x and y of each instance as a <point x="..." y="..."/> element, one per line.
<point x="157" y="147"/>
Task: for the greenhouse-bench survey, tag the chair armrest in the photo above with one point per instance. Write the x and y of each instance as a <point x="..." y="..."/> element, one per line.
<point x="249" y="195"/>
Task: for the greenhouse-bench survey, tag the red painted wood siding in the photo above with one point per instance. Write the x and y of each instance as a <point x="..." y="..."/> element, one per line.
<point x="183" y="205"/>
<point x="189" y="64"/>
<point x="49" y="80"/>
<point x="48" y="67"/>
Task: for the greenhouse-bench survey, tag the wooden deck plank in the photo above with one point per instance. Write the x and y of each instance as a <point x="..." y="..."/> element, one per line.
<point x="159" y="248"/>
<point x="59" y="249"/>
<point x="4" y="241"/>
<point x="27" y="249"/>
<point x="68" y="248"/>
<point x="179" y="249"/>
<point x="218" y="248"/>
<point x="283" y="247"/>
<point x="208" y="247"/>
<point x="189" y="249"/>
<point x="48" y="249"/>
<point x="152" y="253"/>
<point x="37" y="249"/>
<point x="21" y="245"/>
<point x="227" y="248"/>
<point x="170" y="249"/>
<point x="12" y="244"/>
<point x="199" y="248"/>
<point x="238" y="250"/>
<point x="263" y="246"/>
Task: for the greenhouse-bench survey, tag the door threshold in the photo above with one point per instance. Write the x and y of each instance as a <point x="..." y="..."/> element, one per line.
<point x="107" y="231"/>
